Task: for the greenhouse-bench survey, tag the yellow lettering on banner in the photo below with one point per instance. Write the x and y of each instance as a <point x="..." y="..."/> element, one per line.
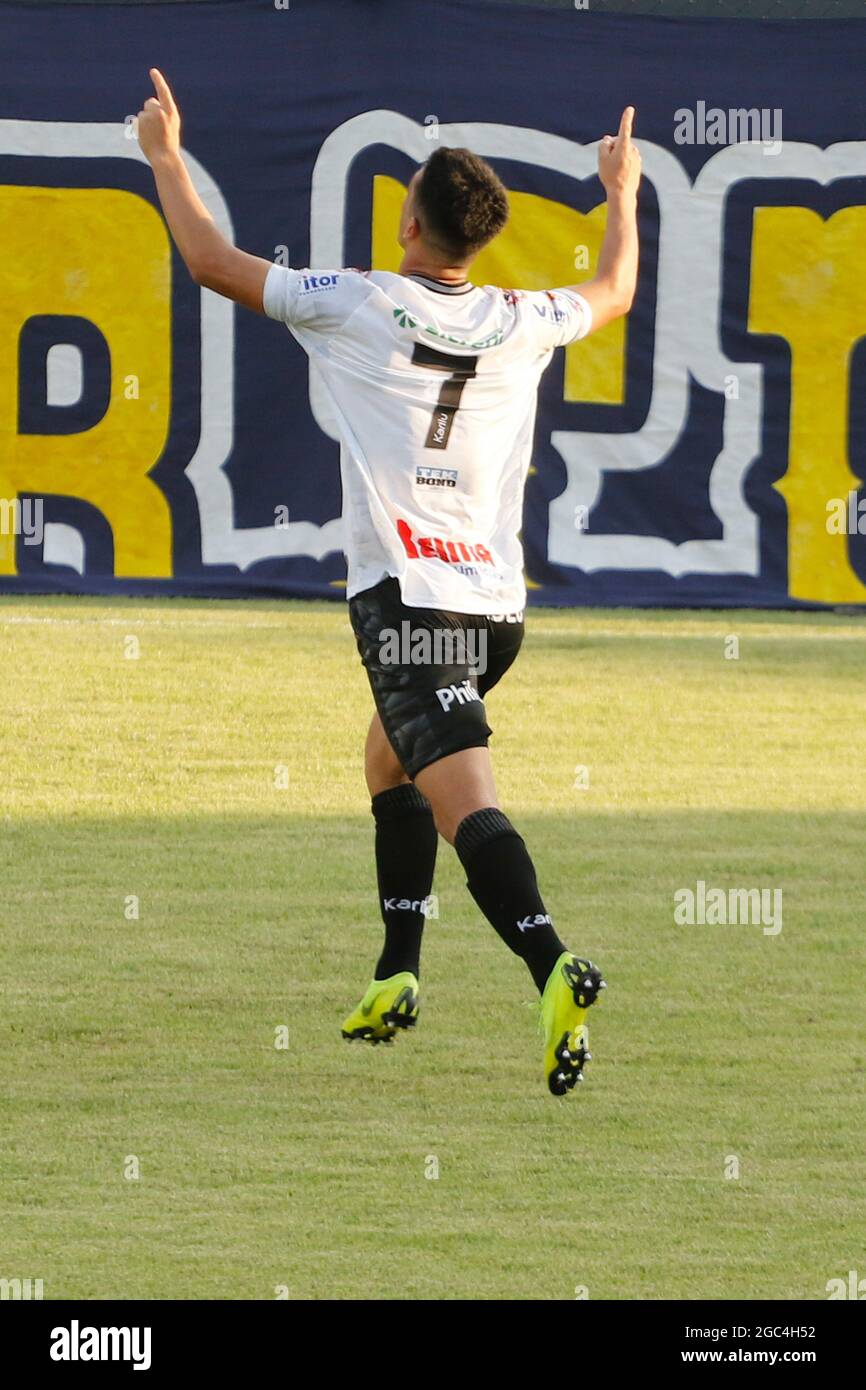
<point x="808" y="287"/>
<point x="103" y="255"/>
<point x="536" y="251"/>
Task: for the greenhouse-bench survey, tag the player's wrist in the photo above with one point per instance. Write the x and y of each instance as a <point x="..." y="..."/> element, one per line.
<point x="624" y="197"/>
<point x="164" y="157"/>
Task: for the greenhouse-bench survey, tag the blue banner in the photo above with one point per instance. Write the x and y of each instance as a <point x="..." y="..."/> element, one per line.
<point x="708" y="450"/>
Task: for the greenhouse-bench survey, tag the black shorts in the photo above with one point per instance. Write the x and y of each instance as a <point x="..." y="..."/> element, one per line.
<point x="429" y="671"/>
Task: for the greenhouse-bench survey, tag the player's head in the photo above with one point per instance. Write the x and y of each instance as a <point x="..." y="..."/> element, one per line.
<point x="454" y="205"/>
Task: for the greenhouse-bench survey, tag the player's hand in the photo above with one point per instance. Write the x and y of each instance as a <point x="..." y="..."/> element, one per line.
<point x="159" y="121"/>
<point x="619" y="166"/>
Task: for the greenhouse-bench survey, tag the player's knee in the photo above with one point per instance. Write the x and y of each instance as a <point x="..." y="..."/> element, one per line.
<point x="445" y="824"/>
<point x="449" y="814"/>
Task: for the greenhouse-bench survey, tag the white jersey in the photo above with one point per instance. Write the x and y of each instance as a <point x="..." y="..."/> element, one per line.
<point x="434" y="390"/>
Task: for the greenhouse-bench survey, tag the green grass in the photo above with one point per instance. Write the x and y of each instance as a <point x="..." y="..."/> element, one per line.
<point x="305" y="1167"/>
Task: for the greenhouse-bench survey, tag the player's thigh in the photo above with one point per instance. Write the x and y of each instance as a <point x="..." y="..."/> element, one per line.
<point x="459" y="784"/>
<point x="382" y="767"/>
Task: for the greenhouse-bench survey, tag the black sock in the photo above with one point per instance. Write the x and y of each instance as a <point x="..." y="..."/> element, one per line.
<point x="501" y="878"/>
<point x="406" y="841"/>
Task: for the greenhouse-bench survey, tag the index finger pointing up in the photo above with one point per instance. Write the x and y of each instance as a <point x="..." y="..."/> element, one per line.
<point x="163" y="91"/>
<point x="625" y="124"/>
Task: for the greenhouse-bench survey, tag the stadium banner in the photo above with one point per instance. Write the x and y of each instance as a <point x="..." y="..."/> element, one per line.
<point x="708" y="450"/>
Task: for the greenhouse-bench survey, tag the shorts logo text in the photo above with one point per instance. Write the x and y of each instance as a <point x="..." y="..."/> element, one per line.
<point x="464" y="694"/>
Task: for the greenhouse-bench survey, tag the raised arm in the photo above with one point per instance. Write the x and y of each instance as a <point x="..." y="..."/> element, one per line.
<point x="211" y="260"/>
<point x="611" y="292"/>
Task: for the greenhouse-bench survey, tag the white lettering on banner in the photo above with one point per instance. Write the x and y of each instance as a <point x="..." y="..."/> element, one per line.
<point x="222" y="542"/>
<point x="686" y="340"/>
<point x="687" y="325"/>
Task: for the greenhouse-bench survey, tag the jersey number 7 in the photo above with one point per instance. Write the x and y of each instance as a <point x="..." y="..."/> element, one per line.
<point x="460" y="370"/>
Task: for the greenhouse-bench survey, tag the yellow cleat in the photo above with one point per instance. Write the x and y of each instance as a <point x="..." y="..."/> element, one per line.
<point x="572" y="988"/>
<point x="388" y="1005"/>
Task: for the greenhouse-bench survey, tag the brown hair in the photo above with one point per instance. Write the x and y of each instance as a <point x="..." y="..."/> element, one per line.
<point x="462" y="204"/>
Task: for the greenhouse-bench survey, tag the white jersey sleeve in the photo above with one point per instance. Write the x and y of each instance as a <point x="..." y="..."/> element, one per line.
<point x="558" y="316"/>
<point x="318" y="300"/>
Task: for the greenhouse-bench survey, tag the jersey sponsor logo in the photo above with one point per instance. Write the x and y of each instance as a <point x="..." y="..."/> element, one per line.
<point x="311" y="283"/>
<point x="464" y="693"/>
<point x="435" y="477"/>
<point x="408" y="320"/>
<point x="551" y="311"/>
<point x="513" y="297"/>
<point x="436" y="548"/>
<point x="541" y="919"/>
<point x="558" y="314"/>
<point x="492" y="339"/>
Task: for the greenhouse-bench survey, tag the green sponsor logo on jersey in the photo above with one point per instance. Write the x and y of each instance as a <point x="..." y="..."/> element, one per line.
<point x="407" y="320"/>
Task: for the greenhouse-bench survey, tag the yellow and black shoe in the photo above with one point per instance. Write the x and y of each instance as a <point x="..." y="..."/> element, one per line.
<point x="388" y="1005"/>
<point x="572" y="988"/>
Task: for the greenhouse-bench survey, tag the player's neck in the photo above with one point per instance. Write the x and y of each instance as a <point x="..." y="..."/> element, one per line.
<point x="433" y="270"/>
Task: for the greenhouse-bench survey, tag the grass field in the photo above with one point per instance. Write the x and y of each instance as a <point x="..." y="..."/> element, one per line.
<point x="306" y="1166"/>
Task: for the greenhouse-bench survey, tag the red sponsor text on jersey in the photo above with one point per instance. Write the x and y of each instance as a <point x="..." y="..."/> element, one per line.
<point x="435" y="548"/>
